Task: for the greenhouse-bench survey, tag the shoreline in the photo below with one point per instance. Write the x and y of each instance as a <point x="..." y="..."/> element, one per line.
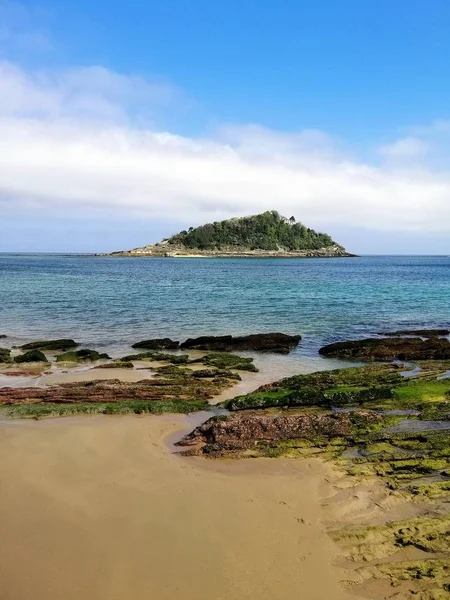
<point x="224" y="255"/>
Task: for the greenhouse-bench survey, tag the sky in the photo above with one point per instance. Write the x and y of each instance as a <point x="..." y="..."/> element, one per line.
<point x="122" y="123"/>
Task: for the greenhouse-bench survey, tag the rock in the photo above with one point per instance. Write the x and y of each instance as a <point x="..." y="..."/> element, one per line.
<point x="5" y="355"/>
<point x="390" y="349"/>
<point x="172" y="386"/>
<point x="260" y="342"/>
<point x="118" y="364"/>
<point x="419" y="332"/>
<point x="30" y="357"/>
<point x="175" y="359"/>
<point x="2" y="336"/>
<point x="157" y="344"/>
<point x="229" y="361"/>
<point x="62" y="344"/>
<point x="227" y="433"/>
<point x="80" y="355"/>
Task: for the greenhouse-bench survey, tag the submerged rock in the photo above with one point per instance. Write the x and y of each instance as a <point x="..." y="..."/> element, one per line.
<point x="390" y="349"/>
<point x="31" y="356"/>
<point x="259" y="342"/>
<point x="62" y="344"/>
<point x="157" y="344"/>
<point x="419" y="332"/>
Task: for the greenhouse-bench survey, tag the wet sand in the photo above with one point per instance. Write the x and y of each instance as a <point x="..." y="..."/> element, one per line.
<point x="98" y="508"/>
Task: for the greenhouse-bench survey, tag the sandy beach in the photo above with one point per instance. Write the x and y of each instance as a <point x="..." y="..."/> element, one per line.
<point x="100" y="508"/>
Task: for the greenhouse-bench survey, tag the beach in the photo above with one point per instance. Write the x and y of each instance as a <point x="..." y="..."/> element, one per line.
<point x="100" y="508"/>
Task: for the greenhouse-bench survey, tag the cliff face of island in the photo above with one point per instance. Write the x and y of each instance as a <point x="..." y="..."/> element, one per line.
<point x="266" y="235"/>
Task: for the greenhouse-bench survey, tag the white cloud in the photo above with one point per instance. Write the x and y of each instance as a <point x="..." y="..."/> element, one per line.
<point x="89" y="92"/>
<point x="405" y="149"/>
<point x="67" y="144"/>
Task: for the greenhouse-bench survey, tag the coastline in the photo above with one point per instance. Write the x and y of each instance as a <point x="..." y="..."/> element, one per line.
<point x="167" y="253"/>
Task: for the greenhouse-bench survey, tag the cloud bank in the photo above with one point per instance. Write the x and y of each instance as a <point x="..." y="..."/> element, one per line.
<point x="85" y="141"/>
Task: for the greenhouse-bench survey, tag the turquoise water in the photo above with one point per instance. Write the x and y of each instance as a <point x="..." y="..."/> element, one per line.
<point x="113" y="302"/>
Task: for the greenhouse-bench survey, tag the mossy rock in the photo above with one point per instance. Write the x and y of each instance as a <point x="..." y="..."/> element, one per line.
<point x="81" y="355"/>
<point x="229" y="361"/>
<point x="61" y="344"/>
<point x="5" y="355"/>
<point x="174" y="359"/>
<point x="31" y="356"/>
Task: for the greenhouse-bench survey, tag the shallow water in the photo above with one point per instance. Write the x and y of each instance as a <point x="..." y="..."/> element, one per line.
<point x="411" y="426"/>
<point x="110" y="303"/>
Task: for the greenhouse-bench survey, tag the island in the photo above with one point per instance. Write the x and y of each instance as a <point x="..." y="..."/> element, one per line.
<point x="265" y="235"/>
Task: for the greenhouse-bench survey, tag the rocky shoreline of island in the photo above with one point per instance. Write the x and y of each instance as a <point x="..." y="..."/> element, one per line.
<point x="171" y="251"/>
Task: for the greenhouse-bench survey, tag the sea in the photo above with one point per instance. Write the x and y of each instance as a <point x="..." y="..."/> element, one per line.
<point x="110" y="303"/>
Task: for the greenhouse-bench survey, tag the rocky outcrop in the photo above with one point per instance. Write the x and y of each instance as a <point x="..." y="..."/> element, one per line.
<point x="117" y="364"/>
<point x="151" y="355"/>
<point x="390" y="349"/>
<point x="62" y="344"/>
<point x="81" y="355"/>
<point x="260" y="342"/>
<point x="31" y="356"/>
<point x="225" y="434"/>
<point x="178" y="385"/>
<point x="224" y="360"/>
<point x="157" y="344"/>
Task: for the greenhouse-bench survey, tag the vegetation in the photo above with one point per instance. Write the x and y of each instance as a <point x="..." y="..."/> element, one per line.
<point x="53" y="409"/>
<point x="174" y="359"/>
<point x="224" y="360"/>
<point x="81" y="355"/>
<point x="267" y="231"/>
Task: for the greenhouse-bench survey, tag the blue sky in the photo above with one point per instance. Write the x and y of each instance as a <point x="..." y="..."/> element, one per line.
<point x="124" y="122"/>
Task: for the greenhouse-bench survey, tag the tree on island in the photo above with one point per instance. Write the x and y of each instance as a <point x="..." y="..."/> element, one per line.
<point x="267" y="231"/>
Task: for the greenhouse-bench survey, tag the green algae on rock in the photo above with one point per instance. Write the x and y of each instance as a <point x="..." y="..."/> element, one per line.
<point x="224" y="360"/>
<point x="175" y="359"/>
<point x="5" y="355"/>
<point x="31" y="356"/>
<point x="117" y="364"/>
<point x="376" y="544"/>
<point x="122" y="407"/>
